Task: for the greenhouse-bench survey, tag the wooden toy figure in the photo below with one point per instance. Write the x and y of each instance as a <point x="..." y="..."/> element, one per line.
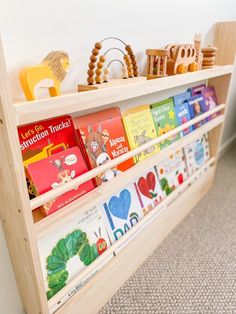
<point x="209" y="57"/>
<point x="156" y="62"/>
<point x="51" y="72"/>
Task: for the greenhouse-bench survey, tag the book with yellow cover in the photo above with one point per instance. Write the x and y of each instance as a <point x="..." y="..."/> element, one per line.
<point x="140" y="129"/>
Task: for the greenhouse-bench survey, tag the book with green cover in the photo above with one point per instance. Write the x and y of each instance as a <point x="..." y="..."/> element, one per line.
<point x="164" y="117"/>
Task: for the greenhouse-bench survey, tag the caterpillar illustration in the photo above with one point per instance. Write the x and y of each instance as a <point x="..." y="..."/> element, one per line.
<point x="75" y="243"/>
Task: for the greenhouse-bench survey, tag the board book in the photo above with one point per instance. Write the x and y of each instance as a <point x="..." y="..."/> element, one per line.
<point x="164" y="118"/>
<point x="148" y="190"/>
<point x="122" y="211"/>
<point x="56" y="170"/>
<point x="102" y="138"/>
<point x="140" y="129"/>
<point x="196" y="108"/>
<point x="182" y="111"/>
<point x="196" y="90"/>
<point x="196" y="154"/>
<point x="210" y="99"/>
<point x="172" y="171"/>
<point x="70" y="248"/>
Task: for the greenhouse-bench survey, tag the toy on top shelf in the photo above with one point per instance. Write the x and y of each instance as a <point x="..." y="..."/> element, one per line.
<point x="156" y="62"/>
<point x="209" y="56"/>
<point x="49" y="74"/>
<point x="98" y="74"/>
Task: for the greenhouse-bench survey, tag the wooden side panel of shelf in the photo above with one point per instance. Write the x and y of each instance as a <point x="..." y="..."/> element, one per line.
<point x="108" y="280"/>
<point x="14" y="207"/>
<point x="224" y="40"/>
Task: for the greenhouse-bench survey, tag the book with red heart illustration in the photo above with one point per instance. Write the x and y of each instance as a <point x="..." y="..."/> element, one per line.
<point x="122" y="211"/>
<point x="196" y="154"/>
<point x="172" y="171"/>
<point x="56" y="170"/>
<point x="102" y="138"/>
<point x="148" y="190"/>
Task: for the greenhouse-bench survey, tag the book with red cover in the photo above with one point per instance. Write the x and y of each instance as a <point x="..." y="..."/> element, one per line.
<point x="45" y="138"/>
<point x="56" y="170"/>
<point x="102" y="138"/>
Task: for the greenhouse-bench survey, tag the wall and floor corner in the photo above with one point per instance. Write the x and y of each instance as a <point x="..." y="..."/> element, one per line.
<point x="31" y="29"/>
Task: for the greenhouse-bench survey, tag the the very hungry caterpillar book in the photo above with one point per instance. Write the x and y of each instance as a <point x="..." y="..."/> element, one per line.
<point x="102" y="138"/>
<point x="140" y="129"/>
<point x="148" y="190"/>
<point x="56" y="170"/>
<point x="164" y="118"/>
<point x="122" y="211"/>
<point x="71" y="247"/>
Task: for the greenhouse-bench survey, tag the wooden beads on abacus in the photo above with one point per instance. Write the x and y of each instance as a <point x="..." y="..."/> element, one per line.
<point x="98" y="77"/>
<point x="209" y="57"/>
<point x="92" y="65"/>
<point x="125" y="74"/>
<point x="129" y="65"/>
<point x="106" y="75"/>
<point x="133" y="60"/>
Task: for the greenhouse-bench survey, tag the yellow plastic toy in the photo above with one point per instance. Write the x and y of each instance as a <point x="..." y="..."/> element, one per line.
<point x="51" y="72"/>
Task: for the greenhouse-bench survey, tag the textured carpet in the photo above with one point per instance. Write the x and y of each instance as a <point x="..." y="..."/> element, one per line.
<point x="194" y="269"/>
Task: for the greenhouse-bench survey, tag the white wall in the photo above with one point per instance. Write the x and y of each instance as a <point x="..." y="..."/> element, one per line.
<point x="30" y="29"/>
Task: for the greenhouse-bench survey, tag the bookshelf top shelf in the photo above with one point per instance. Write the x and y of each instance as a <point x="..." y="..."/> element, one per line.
<point x="28" y="112"/>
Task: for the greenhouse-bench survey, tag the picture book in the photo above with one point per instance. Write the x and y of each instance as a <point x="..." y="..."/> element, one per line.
<point x="196" y="154"/>
<point x="210" y="99"/>
<point x="164" y="118"/>
<point x="122" y="211"/>
<point x="102" y="138"/>
<point x="56" y="170"/>
<point x="196" y="108"/>
<point x="181" y="98"/>
<point x="148" y="190"/>
<point x="172" y="171"/>
<point x="70" y="248"/>
<point x="183" y="116"/>
<point x="196" y="90"/>
<point x="140" y="129"/>
<point x="45" y="138"/>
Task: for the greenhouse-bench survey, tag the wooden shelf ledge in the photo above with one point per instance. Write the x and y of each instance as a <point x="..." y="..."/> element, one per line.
<point x="31" y="111"/>
<point x="98" y="195"/>
<point x="46" y="197"/>
<point x="158" y="217"/>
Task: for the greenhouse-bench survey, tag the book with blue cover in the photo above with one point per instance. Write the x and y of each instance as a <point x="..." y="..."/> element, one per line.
<point x="182" y="111"/>
<point x="197" y="107"/>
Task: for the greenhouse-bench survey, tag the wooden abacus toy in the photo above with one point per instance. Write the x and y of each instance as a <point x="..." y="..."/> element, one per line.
<point x="98" y="74"/>
<point x="209" y="57"/>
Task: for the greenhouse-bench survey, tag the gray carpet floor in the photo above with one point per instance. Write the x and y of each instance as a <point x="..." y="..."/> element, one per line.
<point x="194" y="269"/>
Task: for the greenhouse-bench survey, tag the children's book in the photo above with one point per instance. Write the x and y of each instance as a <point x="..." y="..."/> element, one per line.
<point x="172" y="172"/>
<point x="140" y="129"/>
<point x="122" y="211"/>
<point x="45" y="138"/>
<point x="181" y="98"/>
<point x="102" y="138"/>
<point x="210" y="99"/>
<point x="183" y="116"/>
<point x="148" y="190"/>
<point x="196" y="154"/>
<point x="165" y="120"/>
<point x="196" y="108"/>
<point x="56" y="170"/>
<point x="70" y="248"/>
<point x="196" y="90"/>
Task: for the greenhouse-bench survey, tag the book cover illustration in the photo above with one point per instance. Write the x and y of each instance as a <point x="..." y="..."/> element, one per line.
<point x="148" y="190"/>
<point x="140" y="129"/>
<point x="172" y="171"/>
<point x="183" y="116"/>
<point x="102" y="138"/>
<point x="71" y="247"/>
<point x="196" y="108"/>
<point x="181" y="98"/>
<point x="196" y="90"/>
<point x="196" y="154"/>
<point x="56" y="170"/>
<point x="122" y="211"/>
<point x="210" y="99"/>
<point x="164" y="118"/>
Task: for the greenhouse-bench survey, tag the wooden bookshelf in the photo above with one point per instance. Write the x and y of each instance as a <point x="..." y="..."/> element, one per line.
<point x="23" y="232"/>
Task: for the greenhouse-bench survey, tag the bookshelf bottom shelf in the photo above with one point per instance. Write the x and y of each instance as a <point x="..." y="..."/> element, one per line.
<point x="111" y="277"/>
